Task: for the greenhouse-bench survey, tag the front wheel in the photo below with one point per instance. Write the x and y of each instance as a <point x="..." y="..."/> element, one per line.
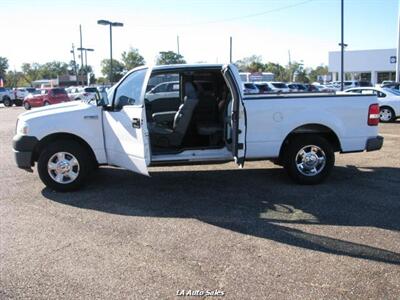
<point x="27" y="106"/>
<point x="386" y="114"/>
<point x="46" y="103"/>
<point x="64" y="165"/>
<point x="309" y="159"/>
<point x="7" y="102"/>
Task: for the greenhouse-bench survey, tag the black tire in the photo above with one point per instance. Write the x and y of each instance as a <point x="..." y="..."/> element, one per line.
<point x="7" y="102"/>
<point x="80" y="153"/>
<point x="27" y="106"/>
<point x="295" y="161"/>
<point x="386" y="114"/>
<point x="46" y="103"/>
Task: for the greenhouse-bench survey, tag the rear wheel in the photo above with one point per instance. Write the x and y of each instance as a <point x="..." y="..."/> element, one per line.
<point x="386" y="114"/>
<point x="64" y="165"/>
<point x="27" y="106"/>
<point x="309" y="159"/>
<point x="7" y="101"/>
<point x="46" y="103"/>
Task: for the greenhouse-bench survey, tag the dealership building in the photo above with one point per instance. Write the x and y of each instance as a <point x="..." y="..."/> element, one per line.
<point x="374" y="66"/>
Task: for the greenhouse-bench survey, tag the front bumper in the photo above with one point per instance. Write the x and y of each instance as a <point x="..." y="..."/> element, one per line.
<point x="23" y="146"/>
<point x="374" y="143"/>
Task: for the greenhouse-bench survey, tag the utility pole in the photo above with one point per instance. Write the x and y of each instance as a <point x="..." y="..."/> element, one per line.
<point x="230" y="50"/>
<point x="342" y="47"/>
<point x="177" y="42"/>
<point x="80" y="71"/>
<point x="290" y="67"/>
<point x="398" y="51"/>
<point x="73" y="56"/>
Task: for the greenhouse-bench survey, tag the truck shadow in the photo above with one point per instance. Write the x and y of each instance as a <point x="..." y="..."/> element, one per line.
<point x="257" y="202"/>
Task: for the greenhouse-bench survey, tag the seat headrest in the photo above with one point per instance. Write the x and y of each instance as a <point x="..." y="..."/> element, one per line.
<point x="190" y="91"/>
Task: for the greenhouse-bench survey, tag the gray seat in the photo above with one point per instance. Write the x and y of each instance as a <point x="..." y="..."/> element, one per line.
<point x="164" y="136"/>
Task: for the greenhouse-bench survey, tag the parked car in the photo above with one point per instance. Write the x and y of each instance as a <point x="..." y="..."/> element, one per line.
<point x="87" y="93"/>
<point x="297" y="87"/>
<point x="326" y="88"/>
<point x="263" y="87"/>
<point x="311" y="87"/>
<point x="278" y="87"/>
<point x="46" y="97"/>
<point x="302" y="133"/>
<point x="389" y="101"/>
<point x="250" y="88"/>
<point x="6" y="96"/>
<point x="21" y="92"/>
<point x="391" y="85"/>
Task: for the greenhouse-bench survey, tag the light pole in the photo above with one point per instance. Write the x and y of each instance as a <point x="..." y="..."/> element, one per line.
<point x="111" y="24"/>
<point x="342" y="45"/>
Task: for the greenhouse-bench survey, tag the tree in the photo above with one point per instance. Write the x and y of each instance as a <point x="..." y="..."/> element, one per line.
<point x="132" y="59"/>
<point x="318" y="71"/>
<point x="31" y="72"/>
<point x="278" y="70"/>
<point x="53" y="69"/>
<point x="170" y="58"/>
<point x="118" y="69"/>
<point x="250" y="64"/>
<point x="3" y="66"/>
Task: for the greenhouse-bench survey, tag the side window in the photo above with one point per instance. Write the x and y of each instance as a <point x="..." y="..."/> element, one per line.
<point x="163" y="93"/>
<point x="368" y="92"/>
<point x="130" y="90"/>
<point x="161" y="88"/>
<point x="381" y="95"/>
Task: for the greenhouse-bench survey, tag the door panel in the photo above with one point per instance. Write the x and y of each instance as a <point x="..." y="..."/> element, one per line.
<point x="125" y="128"/>
<point x="127" y="145"/>
<point x="237" y="125"/>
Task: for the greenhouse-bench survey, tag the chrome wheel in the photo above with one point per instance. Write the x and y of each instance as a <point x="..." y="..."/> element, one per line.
<point x="63" y="167"/>
<point x="386" y="114"/>
<point x="46" y="103"/>
<point x="310" y="160"/>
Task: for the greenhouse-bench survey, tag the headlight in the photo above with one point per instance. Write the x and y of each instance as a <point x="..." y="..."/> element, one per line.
<point x="22" y="127"/>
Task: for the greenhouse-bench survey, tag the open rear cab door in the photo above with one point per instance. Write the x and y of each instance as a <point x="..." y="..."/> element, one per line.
<point x="236" y="126"/>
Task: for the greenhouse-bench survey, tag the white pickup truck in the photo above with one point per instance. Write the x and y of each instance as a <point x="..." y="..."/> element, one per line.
<point x="208" y="119"/>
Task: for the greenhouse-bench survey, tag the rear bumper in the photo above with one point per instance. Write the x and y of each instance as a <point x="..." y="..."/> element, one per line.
<point x="374" y="143"/>
<point x="23" y="147"/>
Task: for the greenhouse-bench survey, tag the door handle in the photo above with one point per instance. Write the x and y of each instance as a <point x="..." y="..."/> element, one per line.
<point x="136" y="123"/>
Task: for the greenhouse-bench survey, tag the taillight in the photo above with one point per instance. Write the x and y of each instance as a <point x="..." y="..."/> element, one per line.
<point x="373" y="115"/>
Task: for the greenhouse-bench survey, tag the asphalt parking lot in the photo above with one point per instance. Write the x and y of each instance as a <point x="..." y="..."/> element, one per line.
<point x="250" y="233"/>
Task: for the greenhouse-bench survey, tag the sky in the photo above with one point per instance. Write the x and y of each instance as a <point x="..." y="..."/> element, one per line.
<point x="41" y="31"/>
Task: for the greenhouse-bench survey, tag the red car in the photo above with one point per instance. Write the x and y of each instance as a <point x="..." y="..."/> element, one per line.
<point x="46" y="97"/>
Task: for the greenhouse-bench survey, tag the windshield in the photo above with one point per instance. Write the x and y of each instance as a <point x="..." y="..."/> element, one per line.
<point x="90" y="90"/>
<point x="393" y="91"/>
<point x="59" y="91"/>
<point x="279" y="85"/>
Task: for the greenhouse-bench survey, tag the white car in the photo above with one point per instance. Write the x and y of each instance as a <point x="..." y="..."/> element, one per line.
<point x="216" y="124"/>
<point x="250" y="88"/>
<point x="389" y="101"/>
<point x="278" y="87"/>
<point x="163" y="90"/>
<point x="6" y="96"/>
<point x="87" y="93"/>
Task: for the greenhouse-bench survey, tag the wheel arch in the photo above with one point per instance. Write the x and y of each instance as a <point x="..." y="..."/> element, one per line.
<point x="62" y="136"/>
<point x="388" y="106"/>
<point x="311" y="128"/>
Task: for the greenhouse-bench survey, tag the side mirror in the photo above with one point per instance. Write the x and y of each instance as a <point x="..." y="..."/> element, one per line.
<point x="124" y="100"/>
